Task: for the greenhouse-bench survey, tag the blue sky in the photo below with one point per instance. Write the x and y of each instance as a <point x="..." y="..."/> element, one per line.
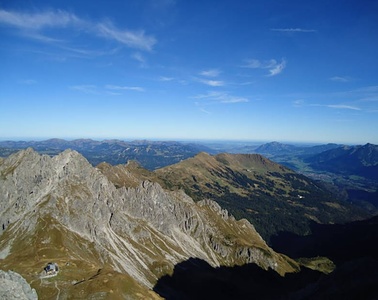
<point x="301" y="71"/>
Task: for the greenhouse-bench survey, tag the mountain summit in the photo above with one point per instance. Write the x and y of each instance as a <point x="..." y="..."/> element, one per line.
<point x="108" y="241"/>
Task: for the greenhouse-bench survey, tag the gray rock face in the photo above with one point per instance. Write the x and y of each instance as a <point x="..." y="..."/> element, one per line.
<point x="14" y="286"/>
<point x="131" y="228"/>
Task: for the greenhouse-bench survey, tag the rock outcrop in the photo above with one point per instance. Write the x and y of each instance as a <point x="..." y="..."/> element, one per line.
<point x="14" y="287"/>
<point x="62" y="209"/>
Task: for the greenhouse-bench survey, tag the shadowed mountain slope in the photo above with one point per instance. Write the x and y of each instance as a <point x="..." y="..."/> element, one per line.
<point x="348" y="160"/>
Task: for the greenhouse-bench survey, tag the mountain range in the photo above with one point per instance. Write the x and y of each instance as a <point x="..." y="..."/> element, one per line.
<point x="360" y="160"/>
<point x="351" y="171"/>
<point x="357" y="160"/>
<point x="123" y="230"/>
<point x="110" y="242"/>
<point x="150" y="154"/>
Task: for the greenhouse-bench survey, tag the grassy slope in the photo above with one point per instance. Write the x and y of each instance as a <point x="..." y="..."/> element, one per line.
<point x="82" y="273"/>
<point x="272" y="197"/>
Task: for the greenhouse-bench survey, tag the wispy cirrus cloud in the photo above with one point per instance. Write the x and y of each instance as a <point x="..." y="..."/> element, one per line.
<point x="124" y="88"/>
<point x="298" y="103"/>
<point x="213" y="83"/>
<point x="221" y="97"/>
<point x="363" y="99"/>
<point x="277" y="69"/>
<point x="341" y="78"/>
<point x="32" y="25"/>
<point x="342" y="106"/>
<point x="165" y="78"/>
<point x="274" y="68"/>
<point x="210" y="73"/>
<point x="85" y="88"/>
<point x="38" y="21"/>
<point x="109" y="89"/>
<point x="293" y="30"/>
<point x="140" y="58"/>
<point x="301" y="103"/>
<point x="133" y="39"/>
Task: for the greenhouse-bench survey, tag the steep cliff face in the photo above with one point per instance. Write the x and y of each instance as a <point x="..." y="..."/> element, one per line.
<point x="108" y="240"/>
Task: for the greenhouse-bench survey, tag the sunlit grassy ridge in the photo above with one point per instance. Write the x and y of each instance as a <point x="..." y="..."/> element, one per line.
<point x="271" y="196"/>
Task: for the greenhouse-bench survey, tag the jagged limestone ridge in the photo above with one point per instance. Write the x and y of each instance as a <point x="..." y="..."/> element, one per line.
<point x="141" y="231"/>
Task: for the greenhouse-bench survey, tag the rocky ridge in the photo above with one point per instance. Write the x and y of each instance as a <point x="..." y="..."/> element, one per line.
<point x="61" y="208"/>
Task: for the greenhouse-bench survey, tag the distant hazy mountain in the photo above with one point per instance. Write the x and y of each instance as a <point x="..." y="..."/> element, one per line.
<point x="150" y="154"/>
<point x="348" y="160"/>
<point x="277" y="149"/>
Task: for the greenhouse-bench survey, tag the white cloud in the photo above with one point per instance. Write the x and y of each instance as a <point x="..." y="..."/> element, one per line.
<point x="341" y="78"/>
<point x="221" y="97"/>
<point x="337" y="106"/>
<point x="32" y="25"/>
<point x="253" y="64"/>
<point x="85" y="88"/>
<point x="213" y="83"/>
<point x="298" y="103"/>
<point x="107" y="90"/>
<point x="272" y="65"/>
<point x="277" y="68"/>
<point x="140" y="58"/>
<point x="202" y="109"/>
<point x="125" y="88"/>
<point x="164" y="78"/>
<point x="37" y="21"/>
<point x="210" y="73"/>
<point x="133" y="39"/>
<point x="342" y="106"/>
<point x="293" y="30"/>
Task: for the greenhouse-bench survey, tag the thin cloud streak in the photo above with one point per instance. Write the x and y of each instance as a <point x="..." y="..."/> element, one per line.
<point x="31" y="26"/>
<point x="124" y="88"/>
<point x="85" y="88"/>
<point x="341" y="78"/>
<point x="37" y="21"/>
<point x="210" y="73"/>
<point x="338" y="106"/>
<point x="341" y="106"/>
<point x="221" y="97"/>
<point x="133" y="39"/>
<point x="272" y="65"/>
<point x="213" y="83"/>
<point x="164" y="78"/>
<point x="202" y="109"/>
<point x="293" y="30"/>
<point x="140" y="58"/>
